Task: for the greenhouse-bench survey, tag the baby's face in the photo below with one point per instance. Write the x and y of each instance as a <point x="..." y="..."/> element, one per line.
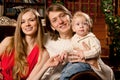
<point x="80" y="26"/>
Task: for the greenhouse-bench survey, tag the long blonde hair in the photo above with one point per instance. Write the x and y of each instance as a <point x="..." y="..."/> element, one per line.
<point x="21" y="44"/>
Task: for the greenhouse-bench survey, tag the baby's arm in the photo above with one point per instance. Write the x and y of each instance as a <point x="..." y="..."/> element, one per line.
<point x="91" y="55"/>
<point x="95" y="49"/>
<point x="91" y="50"/>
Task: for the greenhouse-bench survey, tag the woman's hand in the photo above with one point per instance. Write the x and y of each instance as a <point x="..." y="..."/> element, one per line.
<point x="53" y="61"/>
<point x="64" y="57"/>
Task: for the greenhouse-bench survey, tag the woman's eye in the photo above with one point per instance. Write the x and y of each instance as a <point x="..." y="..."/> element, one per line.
<point x="31" y="19"/>
<point x="22" y="22"/>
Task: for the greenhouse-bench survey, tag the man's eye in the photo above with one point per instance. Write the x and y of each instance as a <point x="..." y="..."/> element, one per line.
<point x="54" y="20"/>
<point x="63" y="15"/>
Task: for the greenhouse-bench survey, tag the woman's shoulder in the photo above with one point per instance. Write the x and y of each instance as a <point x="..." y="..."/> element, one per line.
<point x="5" y="42"/>
<point x="8" y="38"/>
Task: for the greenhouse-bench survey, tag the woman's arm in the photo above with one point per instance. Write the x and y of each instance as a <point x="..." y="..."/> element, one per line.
<point x="51" y="62"/>
<point x="41" y="67"/>
<point x="41" y="61"/>
<point x="3" y="46"/>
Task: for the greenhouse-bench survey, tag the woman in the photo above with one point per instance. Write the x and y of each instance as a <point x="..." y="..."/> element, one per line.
<point x="20" y="54"/>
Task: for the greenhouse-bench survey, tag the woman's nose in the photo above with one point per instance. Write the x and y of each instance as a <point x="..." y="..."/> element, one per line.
<point x="27" y="23"/>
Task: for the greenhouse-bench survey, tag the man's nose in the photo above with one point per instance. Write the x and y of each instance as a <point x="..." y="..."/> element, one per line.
<point x="60" y="20"/>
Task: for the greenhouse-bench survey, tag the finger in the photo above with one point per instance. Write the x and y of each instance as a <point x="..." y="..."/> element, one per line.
<point x="73" y="58"/>
<point x="77" y="60"/>
<point x="63" y="55"/>
<point x="76" y="48"/>
<point x="77" y="55"/>
<point x="85" y="46"/>
<point x="55" y="56"/>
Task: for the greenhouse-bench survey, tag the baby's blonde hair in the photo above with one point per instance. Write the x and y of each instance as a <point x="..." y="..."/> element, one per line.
<point x="86" y="16"/>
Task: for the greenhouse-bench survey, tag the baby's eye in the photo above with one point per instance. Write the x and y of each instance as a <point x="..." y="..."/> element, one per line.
<point x="78" y="24"/>
<point x="86" y="24"/>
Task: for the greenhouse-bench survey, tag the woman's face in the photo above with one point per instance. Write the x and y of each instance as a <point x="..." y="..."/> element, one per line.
<point x="29" y="24"/>
<point x="60" y="21"/>
<point x="80" y="26"/>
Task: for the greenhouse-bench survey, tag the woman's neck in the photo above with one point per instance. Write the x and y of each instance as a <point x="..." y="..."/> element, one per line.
<point x="30" y="40"/>
<point x="31" y="43"/>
